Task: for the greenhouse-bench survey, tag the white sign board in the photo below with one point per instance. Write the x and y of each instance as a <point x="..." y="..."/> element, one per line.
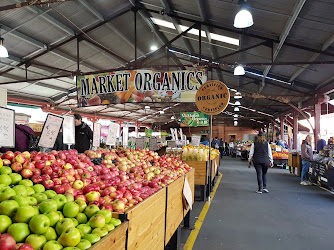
<point x="153" y="144"/>
<point x="96" y="134"/>
<point x="125" y="136"/>
<point x="3" y="97"/>
<point x="187" y="193"/>
<point x="195" y="140"/>
<point x="7" y="127"/>
<point x="69" y="130"/>
<point x="140" y="143"/>
<point x="113" y="134"/>
<point x="50" y="131"/>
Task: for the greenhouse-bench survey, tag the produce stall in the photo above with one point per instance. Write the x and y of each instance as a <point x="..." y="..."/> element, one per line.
<point x="242" y="150"/>
<point x="280" y="155"/>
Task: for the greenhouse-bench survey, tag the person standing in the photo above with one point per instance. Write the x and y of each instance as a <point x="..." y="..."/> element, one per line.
<point x="321" y="143"/>
<point x="262" y="158"/>
<point x="231" y="147"/>
<point x="83" y="134"/>
<point x="307" y="157"/>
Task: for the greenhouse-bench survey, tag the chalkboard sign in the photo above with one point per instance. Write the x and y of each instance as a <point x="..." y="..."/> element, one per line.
<point x="7" y="127"/>
<point x="195" y="140"/>
<point x="153" y="144"/>
<point x="96" y="135"/>
<point x="113" y="133"/>
<point x="50" y="130"/>
<point x="140" y="143"/>
<point x="69" y="130"/>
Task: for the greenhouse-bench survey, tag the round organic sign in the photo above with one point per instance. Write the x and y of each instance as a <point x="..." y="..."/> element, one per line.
<point x="212" y="97"/>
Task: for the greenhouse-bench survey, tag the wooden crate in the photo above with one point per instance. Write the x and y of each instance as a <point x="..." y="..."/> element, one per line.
<point x="147" y="223"/>
<point x="176" y="211"/>
<point x="116" y="239"/>
<point x="201" y="171"/>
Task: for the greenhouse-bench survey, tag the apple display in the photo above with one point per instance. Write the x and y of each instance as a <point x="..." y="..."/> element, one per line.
<point x="48" y="206"/>
<point x="36" y="241"/>
<point x="19" y="231"/>
<point x="63" y="225"/>
<point x="39" y="224"/>
<point x="70" y="237"/>
<point x="24" y="214"/>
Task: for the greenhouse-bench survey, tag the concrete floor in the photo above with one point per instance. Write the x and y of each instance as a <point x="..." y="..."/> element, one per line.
<point x="291" y="216"/>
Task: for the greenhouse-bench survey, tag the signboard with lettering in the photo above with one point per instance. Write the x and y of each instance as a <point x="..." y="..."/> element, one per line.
<point x="96" y="134"/>
<point x="7" y="127"/>
<point x="113" y="134"/>
<point x="195" y="140"/>
<point x="50" y="130"/>
<point x="194" y="119"/>
<point x="69" y="130"/>
<point x="139" y="86"/>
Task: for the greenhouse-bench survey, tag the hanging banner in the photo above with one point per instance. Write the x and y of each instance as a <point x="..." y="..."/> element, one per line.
<point x="148" y="133"/>
<point x="194" y="119"/>
<point x="113" y="134"/>
<point x="50" y="131"/>
<point x="96" y="134"/>
<point x="139" y="86"/>
<point x="69" y="130"/>
<point x="7" y="127"/>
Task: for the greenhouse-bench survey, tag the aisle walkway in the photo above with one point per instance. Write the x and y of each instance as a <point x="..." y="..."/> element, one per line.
<point x="291" y="216"/>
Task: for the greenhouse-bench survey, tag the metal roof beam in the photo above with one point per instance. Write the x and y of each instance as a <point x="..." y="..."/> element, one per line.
<point x="298" y="7"/>
<point x="328" y="43"/>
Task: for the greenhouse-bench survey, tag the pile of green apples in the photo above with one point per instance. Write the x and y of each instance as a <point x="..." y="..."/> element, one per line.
<point x="47" y="220"/>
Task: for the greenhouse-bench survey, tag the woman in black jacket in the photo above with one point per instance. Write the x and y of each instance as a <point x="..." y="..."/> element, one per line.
<point x="260" y="154"/>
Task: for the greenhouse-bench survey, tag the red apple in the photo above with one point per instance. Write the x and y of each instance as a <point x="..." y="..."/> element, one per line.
<point x="40" y="164"/>
<point x="82" y="197"/>
<point x="48" y="184"/>
<point x="67" y="186"/>
<point x="47" y="170"/>
<point x="16" y="166"/>
<point x="118" y="205"/>
<point x="7" y="242"/>
<point x="36" y="179"/>
<point x="71" y="191"/>
<point x="29" y="165"/>
<point x="26" y="173"/>
<point x="45" y="177"/>
<point x="9" y="155"/>
<point x="59" y="189"/>
<point x="107" y="206"/>
<point x="57" y="181"/>
<point x="20" y="159"/>
<point x="37" y="171"/>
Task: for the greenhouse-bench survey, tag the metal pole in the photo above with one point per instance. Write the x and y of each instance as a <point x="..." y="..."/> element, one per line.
<point x="210" y="164"/>
<point x="78" y="57"/>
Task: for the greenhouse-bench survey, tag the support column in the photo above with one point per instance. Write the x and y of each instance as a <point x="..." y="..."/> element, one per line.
<point x="317" y="114"/>
<point x="295" y="129"/>
<point x="273" y="127"/>
<point x="282" y="128"/>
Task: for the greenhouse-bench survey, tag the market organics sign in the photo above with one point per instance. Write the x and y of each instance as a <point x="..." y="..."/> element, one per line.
<point x="139" y="86"/>
<point x="212" y="97"/>
<point x="194" y="119"/>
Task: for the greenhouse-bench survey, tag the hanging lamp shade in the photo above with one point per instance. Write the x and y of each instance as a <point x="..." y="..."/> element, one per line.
<point x="237" y="95"/>
<point x="237" y="103"/>
<point x="3" y="50"/>
<point x="239" y="70"/>
<point x="236" y="109"/>
<point x="243" y="19"/>
<point x="235" y="123"/>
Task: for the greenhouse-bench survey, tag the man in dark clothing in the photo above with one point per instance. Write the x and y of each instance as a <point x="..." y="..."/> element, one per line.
<point x="21" y="140"/>
<point x="321" y="143"/>
<point x="83" y="134"/>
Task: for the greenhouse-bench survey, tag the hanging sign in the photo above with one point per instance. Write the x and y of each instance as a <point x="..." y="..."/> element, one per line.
<point x="212" y="97"/>
<point x="50" y="131"/>
<point x="195" y="140"/>
<point x="148" y="133"/>
<point x="7" y="127"/>
<point x="194" y="119"/>
<point x="96" y="134"/>
<point x="69" y="130"/>
<point x="113" y="134"/>
<point x="139" y="86"/>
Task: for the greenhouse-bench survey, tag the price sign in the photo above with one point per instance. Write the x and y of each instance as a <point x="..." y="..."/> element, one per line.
<point x="113" y="133"/>
<point x="7" y="127"/>
<point x="96" y="134"/>
<point x="50" y="131"/>
<point x="195" y="140"/>
<point x="153" y="144"/>
<point x="171" y="144"/>
<point x="69" y="130"/>
<point x="140" y="143"/>
<point x="125" y="136"/>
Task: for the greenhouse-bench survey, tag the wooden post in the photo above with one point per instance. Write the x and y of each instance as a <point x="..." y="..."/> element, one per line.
<point x="317" y="114"/>
<point x="282" y="128"/>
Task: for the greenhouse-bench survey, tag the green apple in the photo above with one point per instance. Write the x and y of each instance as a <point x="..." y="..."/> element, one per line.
<point x="63" y="225"/>
<point x="54" y="217"/>
<point x="20" y="190"/>
<point x="5" y="179"/>
<point x="100" y="231"/>
<point x="91" y="210"/>
<point x="9" y="208"/>
<point x="84" y="244"/>
<point x="39" y="188"/>
<point x="71" y="209"/>
<point x="16" y="178"/>
<point x="115" y="222"/>
<point x="30" y="191"/>
<point x="61" y="201"/>
<point x="24" y="214"/>
<point x="5" y="222"/>
<point x="36" y="241"/>
<point x="82" y="205"/>
<point x="109" y="227"/>
<point x="7" y="193"/>
<point x="97" y="220"/>
<point x="52" y="245"/>
<point x="106" y="213"/>
<point x="5" y="170"/>
<point x="75" y="222"/>
<point x="50" y="193"/>
<point x="71" y="248"/>
<point x="69" y="197"/>
<point x="2" y="187"/>
<point x="36" y="210"/>
<point x="26" y="182"/>
<point x="40" y="197"/>
<point x="61" y="216"/>
<point x="19" y="231"/>
<point x="48" y="206"/>
<point x="21" y="200"/>
<point x="81" y="218"/>
<point x="50" y="234"/>
<point x="70" y="237"/>
<point x="32" y="201"/>
<point x="39" y="224"/>
<point x="92" y="238"/>
<point x="84" y="229"/>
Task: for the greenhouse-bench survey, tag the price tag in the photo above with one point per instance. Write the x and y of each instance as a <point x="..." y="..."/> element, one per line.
<point x="113" y="134"/>
<point x="50" y="131"/>
<point x="7" y="127"/>
<point x="69" y="130"/>
<point x="96" y="134"/>
<point x="195" y="140"/>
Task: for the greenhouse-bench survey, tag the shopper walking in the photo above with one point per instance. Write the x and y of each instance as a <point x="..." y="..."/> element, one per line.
<point x="261" y="156"/>
<point x="83" y="134"/>
<point x="307" y="157"/>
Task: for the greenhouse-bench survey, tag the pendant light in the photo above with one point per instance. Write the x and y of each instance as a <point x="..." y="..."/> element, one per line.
<point x="147" y="108"/>
<point x="237" y="95"/>
<point x="243" y="19"/>
<point x="3" y="50"/>
<point x="172" y="117"/>
<point x="236" y="109"/>
<point x="237" y="103"/>
<point x="235" y="123"/>
<point x="154" y="47"/>
<point x="239" y="70"/>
